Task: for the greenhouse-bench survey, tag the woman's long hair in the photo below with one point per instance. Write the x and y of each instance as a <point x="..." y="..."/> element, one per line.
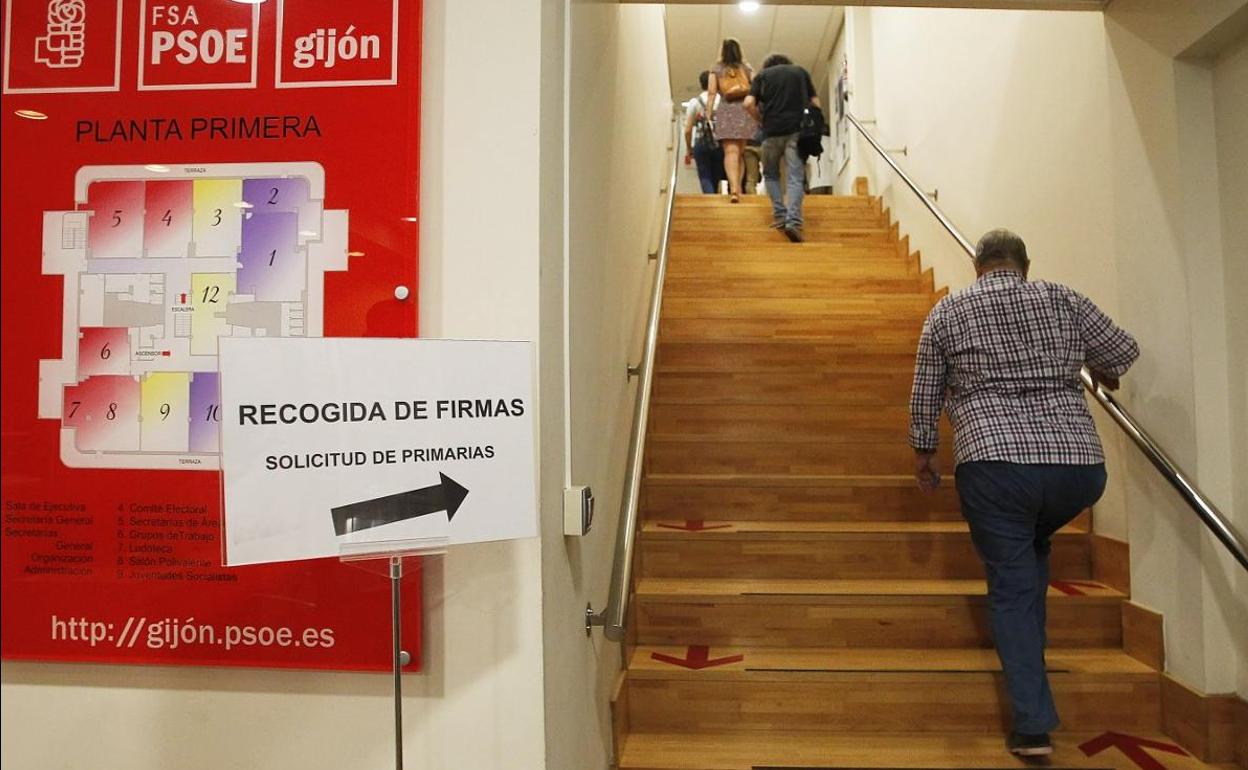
<point x="730" y="53"/>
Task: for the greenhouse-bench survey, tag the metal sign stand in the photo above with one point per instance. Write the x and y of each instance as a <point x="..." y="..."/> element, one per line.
<point x="401" y="657"/>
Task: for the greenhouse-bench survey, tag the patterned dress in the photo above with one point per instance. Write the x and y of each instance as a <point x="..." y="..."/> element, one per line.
<point x="731" y="119"/>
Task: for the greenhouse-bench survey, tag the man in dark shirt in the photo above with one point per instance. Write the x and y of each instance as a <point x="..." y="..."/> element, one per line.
<point x="1003" y="358"/>
<point x="778" y="99"/>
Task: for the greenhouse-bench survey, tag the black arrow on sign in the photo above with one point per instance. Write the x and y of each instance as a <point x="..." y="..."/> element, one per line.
<point x="366" y="514"/>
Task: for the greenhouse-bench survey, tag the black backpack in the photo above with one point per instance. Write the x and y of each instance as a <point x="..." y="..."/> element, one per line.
<point x="811" y="133"/>
<point x="706" y="141"/>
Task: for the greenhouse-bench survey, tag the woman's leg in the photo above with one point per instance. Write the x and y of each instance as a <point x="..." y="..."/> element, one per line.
<point x="732" y="163"/>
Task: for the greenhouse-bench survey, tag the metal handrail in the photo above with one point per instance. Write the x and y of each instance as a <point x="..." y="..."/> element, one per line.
<point x="612" y="618"/>
<point x="1214" y="519"/>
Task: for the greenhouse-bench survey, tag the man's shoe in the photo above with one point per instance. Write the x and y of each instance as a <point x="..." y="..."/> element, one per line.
<point x="1030" y="745"/>
<point x="794" y="234"/>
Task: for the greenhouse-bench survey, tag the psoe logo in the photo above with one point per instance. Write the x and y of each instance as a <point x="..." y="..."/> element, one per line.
<point x="339" y="44"/>
<point x="62" y="46"/>
<point x="204" y="45"/>
<point x="65" y="44"/>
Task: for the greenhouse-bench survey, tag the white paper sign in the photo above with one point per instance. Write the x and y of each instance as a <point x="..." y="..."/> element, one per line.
<point x="334" y="447"/>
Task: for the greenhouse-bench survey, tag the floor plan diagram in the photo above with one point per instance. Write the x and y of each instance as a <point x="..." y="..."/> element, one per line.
<point x="158" y="264"/>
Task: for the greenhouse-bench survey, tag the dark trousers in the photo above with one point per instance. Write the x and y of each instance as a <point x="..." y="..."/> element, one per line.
<point x="710" y="165"/>
<point x="1013" y="511"/>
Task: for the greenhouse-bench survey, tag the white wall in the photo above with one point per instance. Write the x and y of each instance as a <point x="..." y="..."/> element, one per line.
<point x="1230" y="96"/>
<point x="620" y="109"/>
<point x="1167" y="233"/>
<point x="1011" y="136"/>
<point x="480" y="704"/>
<point x="1088" y="136"/>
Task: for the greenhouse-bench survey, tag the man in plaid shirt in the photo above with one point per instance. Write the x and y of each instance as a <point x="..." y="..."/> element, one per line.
<point x="1003" y="358"/>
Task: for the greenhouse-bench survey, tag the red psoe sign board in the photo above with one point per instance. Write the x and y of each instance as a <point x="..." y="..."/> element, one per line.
<point x="173" y="174"/>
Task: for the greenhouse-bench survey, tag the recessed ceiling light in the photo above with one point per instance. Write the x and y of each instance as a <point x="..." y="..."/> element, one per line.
<point x="308" y="233"/>
<point x="242" y="205"/>
<point x="157" y="168"/>
<point x="748" y="6"/>
<point x="31" y="114"/>
<point x="408" y="219"/>
<point x="355" y="253"/>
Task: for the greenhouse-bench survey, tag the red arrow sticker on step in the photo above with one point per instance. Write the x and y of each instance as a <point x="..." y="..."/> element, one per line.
<point x="1132" y="748"/>
<point x="694" y="525"/>
<point x="697" y="658"/>
<point x="1074" y="587"/>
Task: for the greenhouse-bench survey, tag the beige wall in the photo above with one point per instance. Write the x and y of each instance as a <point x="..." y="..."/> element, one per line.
<point x="1168" y="239"/>
<point x="1089" y="137"/>
<point x="620" y="101"/>
<point x="1009" y="135"/>
<point x="1230" y="97"/>
<point x="480" y="704"/>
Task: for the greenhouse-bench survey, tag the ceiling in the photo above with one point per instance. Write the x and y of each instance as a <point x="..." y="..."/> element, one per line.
<point x="806" y="33"/>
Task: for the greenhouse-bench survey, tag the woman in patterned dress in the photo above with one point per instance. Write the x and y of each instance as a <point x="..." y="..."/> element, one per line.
<point x="733" y="125"/>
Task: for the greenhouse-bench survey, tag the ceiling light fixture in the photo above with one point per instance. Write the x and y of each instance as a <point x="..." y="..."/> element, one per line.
<point x="749" y="6"/>
<point x="30" y="114"/>
<point x="159" y="169"/>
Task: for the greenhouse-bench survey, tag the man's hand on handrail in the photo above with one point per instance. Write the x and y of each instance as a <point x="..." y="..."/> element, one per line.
<point x="1106" y="381"/>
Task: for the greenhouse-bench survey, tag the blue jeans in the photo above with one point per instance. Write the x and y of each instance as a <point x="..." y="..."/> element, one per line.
<point x="1013" y="511"/>
<point x="775" y="149"/>
<point x="710" y="165"/>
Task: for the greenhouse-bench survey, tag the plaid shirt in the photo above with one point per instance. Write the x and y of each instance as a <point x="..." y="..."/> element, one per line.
<point x="1003" y="356"/>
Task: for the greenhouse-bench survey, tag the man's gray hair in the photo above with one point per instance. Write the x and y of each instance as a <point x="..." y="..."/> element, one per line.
<point x="1001" y="246"/>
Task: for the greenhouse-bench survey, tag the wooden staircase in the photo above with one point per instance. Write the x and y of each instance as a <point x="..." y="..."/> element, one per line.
<point x="798" y="603"/>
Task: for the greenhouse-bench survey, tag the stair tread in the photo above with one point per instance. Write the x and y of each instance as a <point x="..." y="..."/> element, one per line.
<point x="759" y="662"/>
<point x="854" y="435"/>
<point x="727" y="589"/>
<point x="743" y="750"/>
<point x="777" y="480"/>
<point x="860" y="347"/>
<point x="709" y="528"/>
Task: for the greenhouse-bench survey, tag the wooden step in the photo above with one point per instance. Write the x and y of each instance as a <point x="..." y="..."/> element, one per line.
<point x="794" y="498"/>
<point x="906" y="286"/>
<point x="842" y="390"/>
<point x="901" y="309"/>
<point x="831" y="550"/>
<point x="784" y="422"/>
<point x="848" y="456"/>
<point x="764" y="212"/>
<point x="839" y="355"/>
<point x="733" y="749"/>
<point x="811" y="202"/>
<point x="728" y="224"/>
<point x="855" y="613"/>
<point x="724" y="220"/>
<point x="792" y="261"/>
<point x="866" y="690"/>
<point x="842" y="236"/>
<point x="869" y="336"/>
<point x="863" y="254"/>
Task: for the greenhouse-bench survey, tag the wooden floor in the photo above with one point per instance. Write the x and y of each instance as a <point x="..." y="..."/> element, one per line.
<point x="797" y="602"/>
